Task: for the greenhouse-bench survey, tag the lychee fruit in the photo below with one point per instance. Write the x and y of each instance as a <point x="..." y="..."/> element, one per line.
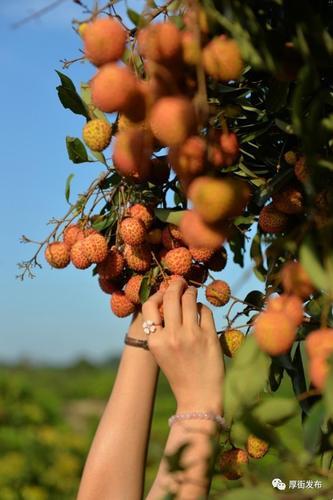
<point x="201" y="254"/>
<point x="290" y="157"/>
<point x="232" y="463"/>
<point x="178" y="260"/>
<point x="199" y="234"/>
<point x="132" y="231"/>
<point x="231" y="340"/>
<point x="218" y="260"/>
<point x="104" y="41"/>
<point x="154" y="236"/>
<point x="218" y="293"/>
<point x="97" y="134"/>
<point x="172" y="120"/>
<point x="256" y="447"/>
<point x="319" y="343"/>
<point x="72" y="233"/>
<point x="197" y="275"/>
<point x="318" y="372"/>
<point x="216" y="199"/>
<point x="132" y="288"/>
<point x="160" y="42"/>
<point x="131" y="154"/>
<point x="222" y="59"/>
<point x="272" y="220"/>
<point x="112" y="266"/>
<point x="289" y="201"/>
<point x="172" y="237"/>
<point x="79" y="255"/>
<point x="291" y="305"/>
<point x="229" y="147"/>
<point x="138" y="258"/>
<point x="108" y="286"/>
<point x="295" y="280"/>
<point x="189" y="158"/>
<point x="121" y="306"/>
<point x="114" y="88"/>
<point x="143" y="213"/>
<point x="95" y="247"/>
<point x="191" y="48"/>
<point x="274" y="332"/>
<point x="301" y="170"/>
<point x="57" y="254"/>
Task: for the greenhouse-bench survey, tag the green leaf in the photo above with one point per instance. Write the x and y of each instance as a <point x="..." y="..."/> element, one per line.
<point x="69" y="98"/>
<point x="312" y="428"/>
<point x="133" y="16"/>
<point x="145" y="289"/>
<point x="94" y="112"/>
<point x="259" y="493"/>
<point x="328" y="393"/>
<point x="68" y="187"/>
<point x="312" y="265"/>
<point x="257" y="256"/>
<point x="101" y="222"/>
<point x="249" y="364"/>
<point x="255" y="298"/>
<point x="275" y="411"/>
<point x="168" y="215"/>
<point x="237" y="246"/>
<point x="76" y="150"/>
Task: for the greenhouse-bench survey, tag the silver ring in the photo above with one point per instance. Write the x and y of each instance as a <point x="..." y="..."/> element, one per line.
<point x="149" y="326"/>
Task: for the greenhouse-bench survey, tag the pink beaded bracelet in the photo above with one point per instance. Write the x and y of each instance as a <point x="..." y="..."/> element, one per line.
<point x="197" y="416"/>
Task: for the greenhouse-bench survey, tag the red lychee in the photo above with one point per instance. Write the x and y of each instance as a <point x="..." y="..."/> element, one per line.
<point x="121" y="306"/>
<point x="132" y="231"/>
<point x="301" y="170"/>
<point x="274" y="332"/>
<point x="172" y="237"/>
<point x="104" y="40"/>
<point x="132" y="288"/>
<point x="79" y="255"/>
<point x="229" y="147"/>
<point x="131" y="154"/>
<point x="291" y="305"/>
<point x="108" y="286"/>
<point x="178" y="260"/>
<point x="112" y="266"/>
<point x="217" y="199"/>
<point x="222" y="59"/>
<point x="289" y="201"/>
<point x="189" y="158"/>
<point x="138" y="258"/>
<point x="319" y="343"/>
<point x="154" y="236"/>
<point x="232" y="463"/>
<point x="160" y="42"/>
<point x="272" y="220"/>
<point x="172" y="120"/>
<point x="218" y="261"/>
<point x="57" y="254"/>
<point x="295" y="280"/>
<point x="95" y="247"/>
<point x="201" y="254"/>
<point x="73" y="233"/>
<point x="114" y="88"/>
<point x="218" y="293"/>
<point x="143" y="213"/>
<point x="199" y="234"/>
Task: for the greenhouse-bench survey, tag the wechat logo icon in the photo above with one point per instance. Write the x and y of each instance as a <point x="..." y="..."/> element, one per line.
<point x="277" y="483"/>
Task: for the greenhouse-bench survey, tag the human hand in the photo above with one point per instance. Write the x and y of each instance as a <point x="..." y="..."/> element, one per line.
<point x="187" y="348"/>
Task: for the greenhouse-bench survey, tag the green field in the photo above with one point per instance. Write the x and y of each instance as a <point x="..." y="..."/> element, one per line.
<point x="48" y="417"/>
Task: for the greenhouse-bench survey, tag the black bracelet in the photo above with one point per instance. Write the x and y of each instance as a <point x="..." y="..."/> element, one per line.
<point x="136" y="342"/>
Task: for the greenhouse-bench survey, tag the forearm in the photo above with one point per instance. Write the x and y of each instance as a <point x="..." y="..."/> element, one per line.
<point x="192" y="483"/>
<point x="115" y="466"/>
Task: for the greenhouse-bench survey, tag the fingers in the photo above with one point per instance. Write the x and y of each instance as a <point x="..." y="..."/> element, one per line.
<point x="150" y="309"/>
<point x="189" y="306"/>
<point x="172" y="304"/>
<point x="206" y="320"/>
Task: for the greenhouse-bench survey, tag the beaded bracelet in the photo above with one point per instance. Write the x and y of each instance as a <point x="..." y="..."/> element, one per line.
<point x="136" y="342"/>
<point x="197" y="416"/>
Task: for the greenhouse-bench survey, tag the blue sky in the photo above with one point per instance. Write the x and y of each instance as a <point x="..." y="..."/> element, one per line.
<point x="59" y="315"/>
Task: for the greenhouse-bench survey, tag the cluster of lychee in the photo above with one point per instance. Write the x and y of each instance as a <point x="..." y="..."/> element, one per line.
<point x="156" y="108"/>
<point x="142" y="244"/>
